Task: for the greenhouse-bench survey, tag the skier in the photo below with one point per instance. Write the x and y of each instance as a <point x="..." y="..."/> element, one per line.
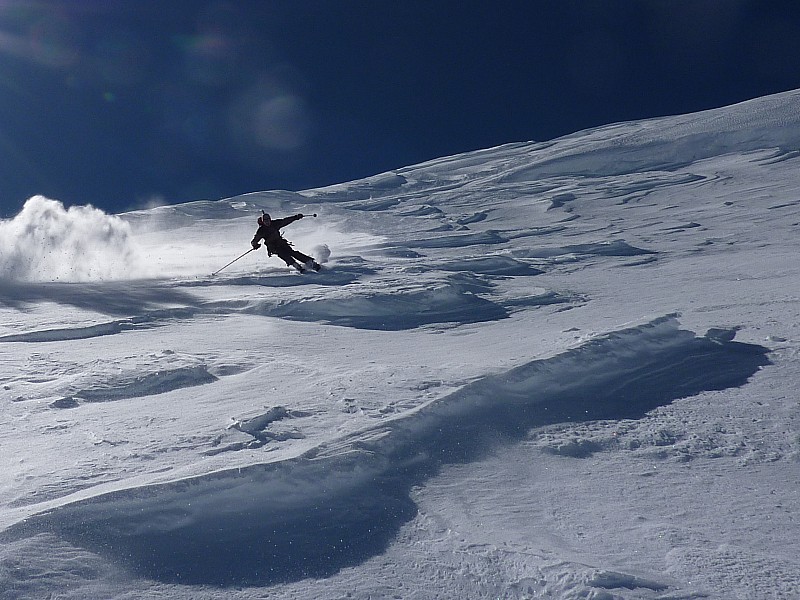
<point x="269" y="231"/>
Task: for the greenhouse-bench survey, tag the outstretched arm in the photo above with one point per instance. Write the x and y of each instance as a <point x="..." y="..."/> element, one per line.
<point x="279" y="223"/>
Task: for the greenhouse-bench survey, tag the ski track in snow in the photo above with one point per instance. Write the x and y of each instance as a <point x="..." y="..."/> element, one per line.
<point x="521" y="235"/>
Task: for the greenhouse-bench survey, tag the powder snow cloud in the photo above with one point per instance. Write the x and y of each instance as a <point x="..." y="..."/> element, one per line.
<point x="48" y="242"/>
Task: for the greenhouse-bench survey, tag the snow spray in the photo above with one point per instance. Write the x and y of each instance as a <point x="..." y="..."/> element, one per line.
<point x="48" y="242"/>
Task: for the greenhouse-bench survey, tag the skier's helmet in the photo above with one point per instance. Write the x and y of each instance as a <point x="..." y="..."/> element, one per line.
<point x="264" y="219"/>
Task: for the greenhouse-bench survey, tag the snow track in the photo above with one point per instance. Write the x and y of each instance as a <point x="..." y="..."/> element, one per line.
<point x="343" y="501"/>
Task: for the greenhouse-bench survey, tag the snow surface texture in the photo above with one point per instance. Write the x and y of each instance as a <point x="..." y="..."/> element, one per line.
<point x="544" y="370"/>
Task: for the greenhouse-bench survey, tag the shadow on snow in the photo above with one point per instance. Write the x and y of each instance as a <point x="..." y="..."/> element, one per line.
<point x="344" y="502"/>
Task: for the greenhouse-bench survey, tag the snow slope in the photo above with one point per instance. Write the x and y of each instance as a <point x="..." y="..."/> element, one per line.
<point x="563" y="369"/>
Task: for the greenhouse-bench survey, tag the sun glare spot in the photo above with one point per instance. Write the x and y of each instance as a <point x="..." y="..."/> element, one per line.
<point x="281" y="123"/>
<point x="271" y="116"/>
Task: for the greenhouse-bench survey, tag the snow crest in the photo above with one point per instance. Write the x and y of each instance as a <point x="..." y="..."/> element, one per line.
<point x="345" y="500"/>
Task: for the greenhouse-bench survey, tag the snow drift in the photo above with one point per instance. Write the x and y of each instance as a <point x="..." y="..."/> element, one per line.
<point x="343" y="501"/>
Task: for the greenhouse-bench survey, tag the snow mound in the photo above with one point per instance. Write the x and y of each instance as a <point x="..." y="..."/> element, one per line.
<point x="395" y="311"/>
<point x="344" y="500"/>
<point x="492" y="265"/>
<point x="136" y="385"/>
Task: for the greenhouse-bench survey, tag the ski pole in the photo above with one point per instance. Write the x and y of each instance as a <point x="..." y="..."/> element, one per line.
<point x="233" y="261"/>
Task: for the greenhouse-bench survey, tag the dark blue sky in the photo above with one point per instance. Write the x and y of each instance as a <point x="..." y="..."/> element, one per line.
<point x="119" y="102"/>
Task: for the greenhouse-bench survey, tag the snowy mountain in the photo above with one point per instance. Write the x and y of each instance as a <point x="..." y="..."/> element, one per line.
<point x="565" y="369"/>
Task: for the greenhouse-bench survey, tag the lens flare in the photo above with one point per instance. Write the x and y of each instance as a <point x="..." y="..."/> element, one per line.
<point x="270" y="117"/>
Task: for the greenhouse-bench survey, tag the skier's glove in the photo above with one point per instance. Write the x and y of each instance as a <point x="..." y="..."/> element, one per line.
<point x="256" y="245"/>
<point x="299" y="215"/>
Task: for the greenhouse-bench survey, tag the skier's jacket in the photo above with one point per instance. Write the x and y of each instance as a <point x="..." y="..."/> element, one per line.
<point x="271" y="234"/>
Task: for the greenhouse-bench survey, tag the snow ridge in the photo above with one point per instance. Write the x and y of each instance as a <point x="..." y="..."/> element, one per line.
<point x="345" y="500"/>
<point x="671" y="142"/>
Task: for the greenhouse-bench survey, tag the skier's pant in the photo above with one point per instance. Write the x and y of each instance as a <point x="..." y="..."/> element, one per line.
<point x="289" y="255"/>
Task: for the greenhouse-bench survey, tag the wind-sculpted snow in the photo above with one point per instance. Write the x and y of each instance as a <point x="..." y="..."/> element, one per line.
<point x="460" y="299"/>
<point x="137" y="385"/>
<point x="492" y="265"/>
<point x="71" y="333"/>
<point x="671" y="142"/>
<point x="343" y="501"/>
<point x="464" y="298"/>
<point x="398" y="311"/>
<point x="47" y="242"/>
<point x="457" y="241"/>
<point x="175" y="216"/>
<point x="365" y="189"/>
<point x="617" y="248"/>
<point x="145" y="321"/>
<point x="106" y="297"/>
<point x="342" y="275"/>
